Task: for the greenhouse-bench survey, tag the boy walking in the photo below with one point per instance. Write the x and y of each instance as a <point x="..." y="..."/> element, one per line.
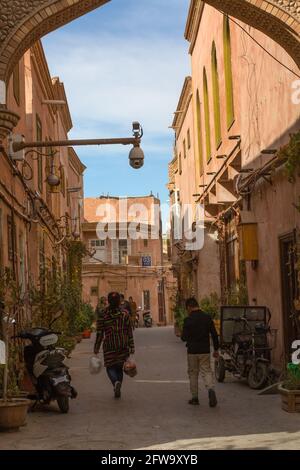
<point x="197" y="330"/>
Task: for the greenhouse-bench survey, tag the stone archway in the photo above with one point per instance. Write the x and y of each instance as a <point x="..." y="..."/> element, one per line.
<point x="278" y="19"/>
<point x="22" y="22"/>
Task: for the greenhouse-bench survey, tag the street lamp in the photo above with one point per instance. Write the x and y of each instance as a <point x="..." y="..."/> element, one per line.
<point x="136" y="155"/>
<point x="53" y="180"/>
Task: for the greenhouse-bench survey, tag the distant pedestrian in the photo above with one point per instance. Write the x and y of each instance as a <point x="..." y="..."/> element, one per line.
<point x="124" y="304"/>
<point x="102" y="304"/>
<point x="197" y="330"/>
<point x="114" y="329"/>
<point x="133" y="311"/>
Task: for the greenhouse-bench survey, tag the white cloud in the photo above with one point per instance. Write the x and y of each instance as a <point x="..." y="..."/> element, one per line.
<point x="120" y="81"/>
<point x="125" y="62"/>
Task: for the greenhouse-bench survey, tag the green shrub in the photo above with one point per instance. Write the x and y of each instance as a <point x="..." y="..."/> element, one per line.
<point x="292" y="380"/>
<point x="67" y="342"/>
<point x="211" y="304"/>
<point x="84" y="318"/>
<point x="290" y="154"/>
<point x="238" y="294"/>
<point x="179" y="316"/>
<point x="15" y="373"/>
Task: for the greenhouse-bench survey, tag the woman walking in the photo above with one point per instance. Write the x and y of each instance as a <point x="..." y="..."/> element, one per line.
<point x="115" y="330"/>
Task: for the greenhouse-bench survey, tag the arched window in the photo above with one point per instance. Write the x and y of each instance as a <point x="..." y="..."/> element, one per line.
<point x="199" y="133"/>
<point x="206" y="116"/>
<point x="228" y="73"/>
<point x="216" y="95"/>
<point x="180" y="164"/>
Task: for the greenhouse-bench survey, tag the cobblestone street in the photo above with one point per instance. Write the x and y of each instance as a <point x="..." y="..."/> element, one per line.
<point x="153" y="412"/>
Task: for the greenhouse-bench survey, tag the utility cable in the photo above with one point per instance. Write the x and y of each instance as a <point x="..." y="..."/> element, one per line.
<point x="261" y="46"/>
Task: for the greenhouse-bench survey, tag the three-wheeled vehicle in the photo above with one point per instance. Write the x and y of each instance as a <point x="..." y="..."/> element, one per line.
<point x="245" y="345"/>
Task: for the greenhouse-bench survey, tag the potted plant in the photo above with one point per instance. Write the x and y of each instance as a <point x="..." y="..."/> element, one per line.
<point x="289" y="389"/>
<point x="86" y="334"/>
<point x="211" y="305"/>
<point x="84" y="321"/>
<point x="13" y="411"/>
<point x="179" y="316"/>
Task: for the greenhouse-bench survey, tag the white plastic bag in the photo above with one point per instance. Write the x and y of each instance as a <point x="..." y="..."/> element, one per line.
<point x="95" y="365"/>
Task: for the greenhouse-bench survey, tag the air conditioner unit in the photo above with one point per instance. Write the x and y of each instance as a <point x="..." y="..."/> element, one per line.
<point x="20" y="154"/>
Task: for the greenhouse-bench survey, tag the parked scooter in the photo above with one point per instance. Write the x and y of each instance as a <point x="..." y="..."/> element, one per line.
<point x="147" y="319"/>
<point x="45" y="365"/>
<point x="137" y="320"/>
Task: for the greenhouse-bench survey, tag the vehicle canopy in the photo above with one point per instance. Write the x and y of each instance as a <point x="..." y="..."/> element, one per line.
<point x="232" y="321"/>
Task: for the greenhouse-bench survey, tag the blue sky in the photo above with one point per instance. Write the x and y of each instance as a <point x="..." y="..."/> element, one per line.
<point x="125" y="61"/>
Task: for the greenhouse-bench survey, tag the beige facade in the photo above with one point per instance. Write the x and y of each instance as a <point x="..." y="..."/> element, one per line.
<point x="243" y="115"/>
<point x="124" y="262"/>
<point x="36" y="219"/>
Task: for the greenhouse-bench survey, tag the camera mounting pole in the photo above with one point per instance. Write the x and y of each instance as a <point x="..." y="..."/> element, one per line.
<point x="136" y="156"/>
<point x="17" y="146"/>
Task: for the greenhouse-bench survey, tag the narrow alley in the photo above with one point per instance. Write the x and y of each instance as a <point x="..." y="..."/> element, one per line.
<point x="153" y="412"/>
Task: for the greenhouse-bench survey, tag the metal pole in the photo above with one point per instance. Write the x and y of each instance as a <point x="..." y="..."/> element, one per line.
<point x="17" y="146"/>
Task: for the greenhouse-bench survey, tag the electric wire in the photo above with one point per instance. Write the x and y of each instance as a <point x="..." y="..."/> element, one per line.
<point x="261" y="46"/>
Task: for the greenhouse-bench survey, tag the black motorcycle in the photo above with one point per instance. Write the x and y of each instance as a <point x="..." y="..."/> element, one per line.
<point x="247" y="355"/>
<point x="148" y="322"/>
<point x="45" y="365"/>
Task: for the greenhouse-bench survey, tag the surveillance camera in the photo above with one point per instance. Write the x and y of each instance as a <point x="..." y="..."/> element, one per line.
<point x="136" y="158"/>
<point x="137" y="130"/>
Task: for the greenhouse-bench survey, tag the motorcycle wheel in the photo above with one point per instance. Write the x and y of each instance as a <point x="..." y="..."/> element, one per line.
<point x="220" y="370"/>
<point x="63" y="404"/>
<point x="258" y="376"/>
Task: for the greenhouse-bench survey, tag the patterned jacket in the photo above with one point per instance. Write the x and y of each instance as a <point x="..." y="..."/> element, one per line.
<point x="115" y="331"/>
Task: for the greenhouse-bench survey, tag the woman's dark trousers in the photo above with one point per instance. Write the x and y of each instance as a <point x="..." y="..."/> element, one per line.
<point x="115" y="373"/>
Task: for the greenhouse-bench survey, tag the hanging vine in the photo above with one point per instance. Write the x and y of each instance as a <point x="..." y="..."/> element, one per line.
<point x="290" y="153"/>
<point x="11" y="315"/>
<point x="75" y="252"/>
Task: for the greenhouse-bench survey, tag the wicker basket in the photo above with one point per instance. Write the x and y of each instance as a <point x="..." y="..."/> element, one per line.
<point x="290" y="400"/>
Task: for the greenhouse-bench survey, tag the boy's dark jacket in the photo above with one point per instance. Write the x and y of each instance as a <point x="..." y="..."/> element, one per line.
<point x="197" y="329"/>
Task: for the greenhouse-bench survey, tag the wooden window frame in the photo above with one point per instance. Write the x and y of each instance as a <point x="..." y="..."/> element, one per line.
<point x="228" y="73"/>
<point x="188" y="136"/>
<point x="94" y="291"/>
<point x="216" y="96"/>
<point x="199" y="133"/>
<point x="16" y="83"/>
<point x="39" y="138"/>
<point x="62" y="181"/>
<point x="10" y="238"/>
<point x="184" y="149"/>
<point x="206" y="116"/>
